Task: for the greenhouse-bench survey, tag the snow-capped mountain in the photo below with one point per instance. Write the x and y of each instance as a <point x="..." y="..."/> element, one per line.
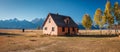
<point x="19" y="24"/>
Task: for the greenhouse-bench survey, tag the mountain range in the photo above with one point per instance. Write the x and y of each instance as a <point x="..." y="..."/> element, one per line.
<point x="80" y="26"/>
<point x="33" y="24"/>
<point x="19" y="24"/>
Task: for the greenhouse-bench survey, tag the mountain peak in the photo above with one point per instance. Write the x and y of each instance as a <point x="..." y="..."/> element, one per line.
<point x="15" y="23"/>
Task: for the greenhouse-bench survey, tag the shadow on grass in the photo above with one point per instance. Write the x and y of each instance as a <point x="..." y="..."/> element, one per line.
<point x="9" y="34"/>
<point x="96" y="36"/>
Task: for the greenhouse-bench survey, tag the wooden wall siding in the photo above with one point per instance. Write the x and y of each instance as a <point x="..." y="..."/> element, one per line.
<point x="66" y="31"/>
<point x="60" y="31"/>
<point x="73" y="32"/>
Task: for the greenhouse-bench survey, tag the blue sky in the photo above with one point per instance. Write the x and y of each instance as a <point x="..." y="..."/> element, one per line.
<point x="30" y="9"/>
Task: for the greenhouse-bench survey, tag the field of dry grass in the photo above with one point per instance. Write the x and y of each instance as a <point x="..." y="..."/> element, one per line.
<point x="33" y="41"/>
<point x="97" y="32"/>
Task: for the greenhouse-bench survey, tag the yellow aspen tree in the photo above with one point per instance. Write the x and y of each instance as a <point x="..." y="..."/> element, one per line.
<point x="116" y="11"/>
<point x="87" y="22"/>
<point x="108" y="15"/>
<point x="98" y="18"/>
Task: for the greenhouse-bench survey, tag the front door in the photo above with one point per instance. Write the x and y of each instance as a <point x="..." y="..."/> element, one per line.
<point x="68" y="30"/>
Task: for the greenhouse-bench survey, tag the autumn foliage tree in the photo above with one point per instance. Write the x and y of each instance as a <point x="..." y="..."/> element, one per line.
<point x="107" y="17"/>
<point x="99" y="19"/>
<point x="86" y="21"/>
<point x="108" y="14"/>
<point x="116" y="11"/>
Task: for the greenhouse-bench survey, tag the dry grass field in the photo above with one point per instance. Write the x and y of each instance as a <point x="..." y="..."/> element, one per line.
<point x="33" y="41"/>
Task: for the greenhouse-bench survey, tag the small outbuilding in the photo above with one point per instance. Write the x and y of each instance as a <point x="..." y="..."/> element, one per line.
<point x="56" y="24"/>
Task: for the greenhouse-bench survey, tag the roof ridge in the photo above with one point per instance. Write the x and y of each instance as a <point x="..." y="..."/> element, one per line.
<point x="58" y="14"/>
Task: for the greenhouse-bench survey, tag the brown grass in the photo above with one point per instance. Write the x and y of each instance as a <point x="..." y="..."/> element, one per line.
<point x="97" y="32"/>
<point x="34" y="41"/>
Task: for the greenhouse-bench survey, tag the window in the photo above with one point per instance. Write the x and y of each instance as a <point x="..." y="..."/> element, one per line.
<point x="45" y="28"/>
<point x="53" y="28"/>
<point x="49" y="20"/>
<point x="73" y="29"/>
<point x="63" y="29"/>
<point x="67" y="20"/>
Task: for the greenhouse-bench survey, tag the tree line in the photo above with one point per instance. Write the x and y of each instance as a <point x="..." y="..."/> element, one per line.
<point x="108" y="17"/>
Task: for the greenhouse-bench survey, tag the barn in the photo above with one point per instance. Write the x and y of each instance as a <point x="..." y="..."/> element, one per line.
<point x="56" y="24"/>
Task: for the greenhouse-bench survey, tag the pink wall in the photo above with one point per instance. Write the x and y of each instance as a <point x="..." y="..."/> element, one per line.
<point x="49" y="27"/>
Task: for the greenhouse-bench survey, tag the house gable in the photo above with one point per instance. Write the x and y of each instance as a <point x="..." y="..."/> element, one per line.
<point x="46" y="20"/>
<point x="49" y="26"/>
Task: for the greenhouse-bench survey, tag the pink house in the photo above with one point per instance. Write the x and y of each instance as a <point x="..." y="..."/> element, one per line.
<point x="56" y="24"/>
